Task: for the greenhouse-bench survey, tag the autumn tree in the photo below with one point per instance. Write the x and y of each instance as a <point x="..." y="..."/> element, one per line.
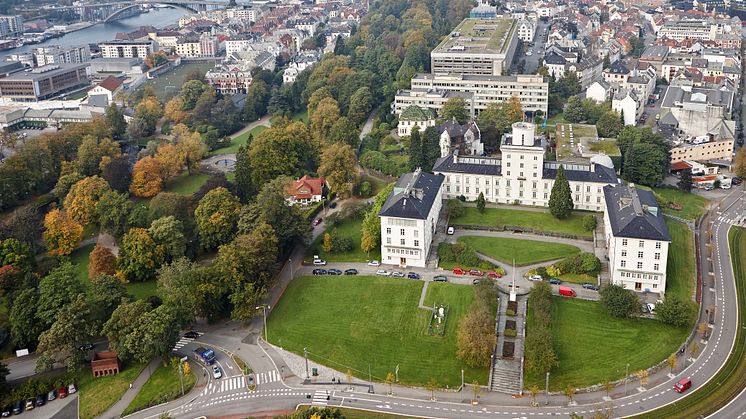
<point x="62" y="234"/>
<point x="361" y="104"/>
<point x="171" y="160"/>
<point x="102" y="261"/>
<point x="146" y="177"/>
<point x="338" y="165"/>
<point x="81" y="201"/>
<point x="66" y="182"/>
<point x="739" y="163"/>
<point x="190" y="146"/>
<point x="323" y="118"/>
<point x="454" y="108"/>
<point x="216" y="216"/>
<point x="475" y="338"/>
<point x="174" y="111"/>
<point x="94" y="153"/>
<point x="344" y="131"/>
<point x="139" y="255"/>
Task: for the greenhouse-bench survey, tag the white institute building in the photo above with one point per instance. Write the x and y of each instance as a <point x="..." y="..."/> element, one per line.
<point x="409" y="218"/>
<point x="522" y="176"/>
<point x="637" y="239"/>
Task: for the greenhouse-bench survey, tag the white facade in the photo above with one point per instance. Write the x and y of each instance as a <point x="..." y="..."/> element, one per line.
<point x="598" y="91"/>
<point x="61" y="55"/>
<point x="128" y="49"/>
<point x="627" y="104"/>
<point x="526" y="30"/>
<point x="404" y="128"/>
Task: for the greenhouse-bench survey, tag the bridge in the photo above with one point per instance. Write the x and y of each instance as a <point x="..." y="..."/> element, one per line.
<point x="108" y="11"/>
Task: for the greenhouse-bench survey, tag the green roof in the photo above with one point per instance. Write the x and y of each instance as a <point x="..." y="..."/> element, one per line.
<point x="415" y="113"/>
<point x="480" y="35"/>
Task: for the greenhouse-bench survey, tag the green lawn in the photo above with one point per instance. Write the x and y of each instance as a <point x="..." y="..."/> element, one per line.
<point x="680" y="269"/>
<point x="80" y="258"/>
<point x="98" y="394"/>
<point x="608" y="147"/>
<point x="301" y="116"/>
<point x="593" y="346"/>
<point x="162" y="386"/>
<point x="538" y="221"/>
<point x="142" y="290"/>
<point x="167" y="85"/>
<point x="578" y="278"/>
<point x="354" y="322"/>
<point x="186" y="184"/>
<point x="692" y="205"/>
<point x="346" y="228"/>
<point x="238" y="141"/>
<point x="524" y="252"/>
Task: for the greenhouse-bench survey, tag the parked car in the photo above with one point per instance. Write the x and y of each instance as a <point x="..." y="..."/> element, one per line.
<point x="7" y="410"/>
<point x="736" y="181"/>
<point x="374" y="263"/>
<point x="590" y="286"/>
<point x="440" y="278"/>
<point x="351" y="271"/>
<point x="191" y="334"/>
<point x="567" y="291"/>
<point x="644" y="309"/>
<point x="216" y="373"/>
<point x="450" y="231"/>
<point x="535" y="278"/>
<point x="334" y="272"/>
<point x="397" y="274"/>
<point x="413" y="275"/>
<point x="317" y="221"/>
<point x="319" y="262"/>
<point x="555" y="281"/>
<point x="52" y="395"/>
<point x="383" y="272"/>
<point x="494" y="275"/>
<point x="682" y="385"/>
<point x="62" y="392"/>
<point x="72" y="389"/>
<point x="86" y="347"/>
<point x="18" y="407"/>
<point x="459" y="271"/>
<point x="30" y="404"/>
<point x="475" y="281"/>
<point x="41" y="400"/>
<point x="319" y="271"/>
<point x="476" y="272"/>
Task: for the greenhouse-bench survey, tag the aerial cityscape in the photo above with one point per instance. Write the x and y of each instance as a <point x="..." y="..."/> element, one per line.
<point x="372" y="209"/>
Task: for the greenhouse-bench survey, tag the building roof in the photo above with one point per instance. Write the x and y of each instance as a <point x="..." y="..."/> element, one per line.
<point x="680" y="165"/>
<point x="413" y="196"/>
<point x="45" y="72"/>
<point x="634" y="213"/>
<point x="306" y="187"/>
<point x="479" y="36"/>
<point x="416" y="113"/>
<point x="110" y="83"/>
<point x="655" y="52"/>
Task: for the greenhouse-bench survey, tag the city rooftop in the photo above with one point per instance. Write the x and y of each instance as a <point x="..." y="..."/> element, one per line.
<point x="479" y="36"/>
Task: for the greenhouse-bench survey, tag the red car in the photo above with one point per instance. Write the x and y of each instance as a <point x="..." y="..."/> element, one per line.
<point x="316" y="221"/>
<point x="494" y="275"/>
<point x="458" y="271"/>
<point x="62" y="392"/>
<point x="682" y="385"/>
<point x="476" y="272"/>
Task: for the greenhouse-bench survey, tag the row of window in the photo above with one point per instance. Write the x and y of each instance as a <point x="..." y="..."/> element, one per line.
<point x="467" y="190"/>
<point x="657" y="255"/>
<point x="641" y="243"/>
<point x="403" y="242"/>
<point x="402" y="232"/>
<point x="656" y="267"/>
<point x="404" y="252"/>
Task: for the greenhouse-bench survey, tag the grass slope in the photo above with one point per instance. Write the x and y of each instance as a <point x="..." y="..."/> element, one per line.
<point x="162" y="386"/>
<point x="593" y="346"/>
<point x="692" y="205"/>
<point x="352" y="322"/>
<point x="187" y="184"/>
<point x="351" y="229"/>
<point x="80" y="258"/>
<point x="99" y="394"/>
<point x="680" y="269"/>
<point x="525" y="252"/>
<point x="239" y="140"/>
<point x="142" y="290"/>
<point x="541" y="221"/>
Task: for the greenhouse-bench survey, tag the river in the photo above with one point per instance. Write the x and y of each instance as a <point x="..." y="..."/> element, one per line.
<point x="107" y="31"/>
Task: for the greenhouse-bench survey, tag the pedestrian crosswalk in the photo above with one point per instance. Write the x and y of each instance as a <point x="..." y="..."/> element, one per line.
<point x="267" y="377"/>
<point x="183" y="341"/>
<point x="233" y="383"/>
<point x="320" y="398"/>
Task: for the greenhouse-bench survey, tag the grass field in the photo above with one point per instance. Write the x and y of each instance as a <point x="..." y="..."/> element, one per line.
<point x="524" y="252"/>
<point x="538" y="221"/>
<point x="680" y="270"/>
<point x="162" y="386"/>
<point x="593" y="346"/>
<point x="167" y="85"/>
<point x="353" y="322"/>
<point x="238" y="141"/>
<point x="97" y="395"/>
<point x="186" y="184"/>
<point x="142" y="290"/>
<point x="352" y="230"/>
<point x="608" y="147"/>
<point x="301" y="116"/>
<point x="578" y="278"/>
<point x="692" y="205"/>
<point x="80" y="258"/>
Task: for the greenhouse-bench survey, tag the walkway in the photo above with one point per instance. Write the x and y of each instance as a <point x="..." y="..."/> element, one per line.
<point x="117" y="409"/>
<point x="507" y="373"/>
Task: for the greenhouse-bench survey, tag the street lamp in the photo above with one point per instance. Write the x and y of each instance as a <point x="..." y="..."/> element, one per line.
<point x="264" y="308"/>
<point x="291" y="267"/>
<point x="181" y="374"/>
<point x="626" y="376"/>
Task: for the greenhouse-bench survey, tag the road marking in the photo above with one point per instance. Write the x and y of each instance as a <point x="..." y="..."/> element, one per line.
<point x="319" y="398"/>
<point x="267" y="377"/>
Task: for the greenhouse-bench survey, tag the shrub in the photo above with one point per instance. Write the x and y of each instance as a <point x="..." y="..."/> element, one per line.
<point x="676" y="312"/>
<point x="583" y="263"/>
<point x="455" y="208"/>
<point x="618" y="301"/>
<point x="510" y="313"/>
<point x="511" y="333"/>
<point x="589" y="222"/>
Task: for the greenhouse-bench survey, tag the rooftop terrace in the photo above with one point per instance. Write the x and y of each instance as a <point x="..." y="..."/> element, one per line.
<point x="479" y="36"/>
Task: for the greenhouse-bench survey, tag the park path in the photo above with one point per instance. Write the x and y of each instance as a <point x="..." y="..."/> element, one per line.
<point x="422" y="297"/>
<point x="116" y="410"/>
<point x="265" y="120"/>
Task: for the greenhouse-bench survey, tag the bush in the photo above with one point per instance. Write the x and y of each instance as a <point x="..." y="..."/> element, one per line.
<point x="583" y="263"/>
<point x="618" y="301"/>
<point x="676" y="312"/>
<point x="511" y="333"/>
<point x="510" y="313"/>
<point x="589" y="222"/>
<point x="364" y="190"/>
<point x="455" y="208"/>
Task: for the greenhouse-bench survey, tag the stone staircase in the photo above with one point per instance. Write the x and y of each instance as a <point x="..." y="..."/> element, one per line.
<point x="507" y="373"/>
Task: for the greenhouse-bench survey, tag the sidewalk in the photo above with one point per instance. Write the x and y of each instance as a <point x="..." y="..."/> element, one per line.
<point x="117" y="409"/>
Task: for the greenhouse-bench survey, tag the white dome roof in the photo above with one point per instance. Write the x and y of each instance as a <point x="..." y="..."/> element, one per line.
<point x="603" y="160"/>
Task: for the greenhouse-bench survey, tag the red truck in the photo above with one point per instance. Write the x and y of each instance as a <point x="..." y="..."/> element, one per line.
<point x="567" y="291"/>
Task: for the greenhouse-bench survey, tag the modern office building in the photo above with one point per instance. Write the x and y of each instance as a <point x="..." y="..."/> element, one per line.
<point x="44" y="82"/>
<point x="11" y="26"/>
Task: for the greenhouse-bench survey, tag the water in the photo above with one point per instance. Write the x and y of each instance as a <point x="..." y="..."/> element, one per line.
<point x="107" y="31"/>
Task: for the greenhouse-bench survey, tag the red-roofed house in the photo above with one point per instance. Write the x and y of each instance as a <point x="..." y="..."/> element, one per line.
<point x="108" y="87"/>
<point x="306" y="190"/>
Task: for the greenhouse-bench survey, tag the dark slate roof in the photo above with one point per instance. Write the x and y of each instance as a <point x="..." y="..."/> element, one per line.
<point x="617" y="67"/>
<point x="630" y="214"/>
<point x="446" y="164"/>
<point x="554" y="58"/>
<point x="600" y="174"/>
<point x="413" y="196"/>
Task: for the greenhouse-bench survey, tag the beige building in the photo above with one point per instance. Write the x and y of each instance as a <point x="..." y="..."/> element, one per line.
<point x="701" y="151"/>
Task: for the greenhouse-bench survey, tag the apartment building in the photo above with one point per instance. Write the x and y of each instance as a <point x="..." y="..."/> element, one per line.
<point x="196" y="46"/>
<point x="433" y="90"/>
<point x="477" y="47"/>
<point x="637" y="239"/>
<point x="703" y="29"/>
<point x="56" y="54"/>
<point x="702" y="149"/>
<point x="230" y="79"/>
<point x="526" y="30"/>
<point x="11" y="26"/>
<point x="43" y="83"/>
<point x="128" y="48"/>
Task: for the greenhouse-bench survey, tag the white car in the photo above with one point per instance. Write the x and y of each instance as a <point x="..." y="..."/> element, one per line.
<point x="450" y="231"/>
<point x="534" y="278"/>
<point x="319" y="262"/>
<point x="374" y="263"/>
<point x="216" y="373"/>
<point x="529" y="53"/>
<point x="651" y="308"/>
<point x="397" y="274"/>
<point x="383" y="272"/>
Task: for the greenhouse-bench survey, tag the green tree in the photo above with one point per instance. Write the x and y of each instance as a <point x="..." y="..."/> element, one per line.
<point x="288" y="222"/>
<point x="560" y="200"/>
<point x="60" y="287"/>
<point x="118" y="173"/>
<point x="154" y="334"/>
<point x="618" y="301"/>
<point x="92" y="152"/>
<point x="415" y="149"/>
<point x="323" y="118"/>
<point x="25" y="327"/>
<point x="107" y="292"/>
<point x="190" y="92"/>
<point x="16" y="253"/>
<point x="609" y="124"/>
<point x="179" y="283"/>
<point x="121" y="324"/>
<point x="75" y="324"/>
<point x="245" y="189"/>
<point x="541" y="357"/>
<point x="65" y="182"/>
<point x="676" y="312"/>
<point x="361" y="104"/>
<point x="645" y="164"/>
<point x="115" y="119"/>
<point x="344" y="131"/>
<point x="454" y="108"/>
<point x="249" y="257"/>
<point x="574" y="111"/>
<point x="339" y="166"/>
<point x="257" y="100"/>
<point x="168" y="232"/>
<point x="685" y="180"/>
<point x="114" y="212"/>
<point x="480" y="202"/>
<point x="454" y="208"/>
<point x="282" y="150"/>
<point x="371" y="227"/>
<point x="139" y="255"/>
<point x="589" y="222"/>
<point x="216" y="216"/>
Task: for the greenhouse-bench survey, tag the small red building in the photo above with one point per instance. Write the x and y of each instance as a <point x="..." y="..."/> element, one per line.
<point x="306" y="190"/>
<point x="105" y="363"/>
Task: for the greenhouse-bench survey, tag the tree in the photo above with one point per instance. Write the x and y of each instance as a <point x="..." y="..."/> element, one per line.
<point x="153" y="334"/>
<point x="672" y="361"/>
<point x="289" y="223"/>
<point x="244" y="188"/>
<point x="118" y="173"/>
<point x="480" y="202"/>
<point x="608" y="386"/>
<point x="344" y="131"/>
<point x="643" y="375"/>
<point x="146" y="178"/>
<point x="609" y="124"/>
<point x="685" y="180"/>
<point x="618" y="301"/>
<point x="174" y="110"/>
<point x="59" y="288"/>
<point x="533" y="390"/>
<point x="560" y="200"/>
<point x="338" y="165"/>
<point x="114" y="212"/>
<point x="371" y="227"/>
<point x="25" y="327"/>
<point x="282" y="150"/>
<point x="168" y="232"/>
<point x="216" y="216"/>
<point x="107" y="293"/>
<point x="148" y="112"/>
<point x="179" y="283"/>
<point x="675" y="312"/>
<point x="390" y="378"/>
<point x="361" y="104"/>
<point x="454" y="208"/>
<point x="589" y="222"/>
<point x="81" y="201"/>
<point x="139" y="255"/>
<point x="416" y="153"/>
<point x="121" y="323"/>
<point x="76" y="323"/>
<point x="454" y="108"/>
<point x="190" y="147"/>
<point x="102" y="262"/>
<point x="16" y="253"/>
<point x="739" y="163"/>
<point x="190" y="93"/>
<point x="475" y="338"/>
<point x="62" y="234"/>
<point x="94" y="153"/>
<point x="541" y="357"/>
<point x="574" y="111"/>
<point x="171" y="161"/>
<point x="323" y="118"/>
<point x="570" y="392"/>
<point x="115" y="119"/>
<point x="644" y="164"/>
<point x="475" y="389"/>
